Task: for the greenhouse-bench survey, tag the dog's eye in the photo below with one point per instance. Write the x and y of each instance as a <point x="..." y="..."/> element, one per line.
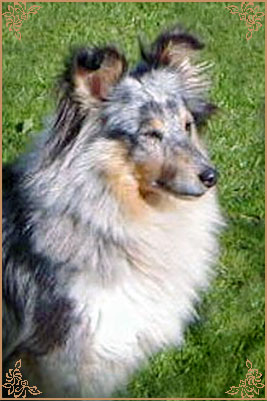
<point x="154" y="134"/>
<point x="188" y="127"/>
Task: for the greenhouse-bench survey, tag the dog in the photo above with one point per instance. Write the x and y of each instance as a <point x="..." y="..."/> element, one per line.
<point x="111" y="220"/>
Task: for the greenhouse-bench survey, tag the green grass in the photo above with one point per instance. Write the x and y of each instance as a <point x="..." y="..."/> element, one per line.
<point x="231" y="325"/>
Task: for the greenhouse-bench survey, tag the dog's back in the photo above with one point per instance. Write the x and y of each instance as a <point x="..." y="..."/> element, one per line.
<point x="110" y="223"/>
<point x="33" y="307"/>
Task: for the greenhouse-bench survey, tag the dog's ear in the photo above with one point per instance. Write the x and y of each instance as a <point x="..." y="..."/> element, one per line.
<point x="90" y="73"/>
<point x="85" y="83"/>
<point x="177" y="49"/>
<point x="171" y="48"/>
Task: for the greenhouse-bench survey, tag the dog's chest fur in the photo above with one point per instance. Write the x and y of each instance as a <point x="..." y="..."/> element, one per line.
<point x="146" y="304"/>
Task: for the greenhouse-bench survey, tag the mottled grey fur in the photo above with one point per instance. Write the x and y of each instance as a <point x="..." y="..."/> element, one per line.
<point x="109" y="223"/>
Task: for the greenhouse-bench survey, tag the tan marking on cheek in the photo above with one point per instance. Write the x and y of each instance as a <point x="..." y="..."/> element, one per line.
<point x="120" y="177"/>
<point x="146" y="173"/>
<point x="153" y="195"/>
<point x="131" y="183"/>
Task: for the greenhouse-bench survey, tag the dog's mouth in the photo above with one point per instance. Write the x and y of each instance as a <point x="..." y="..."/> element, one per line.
<point x="179" y="190"/>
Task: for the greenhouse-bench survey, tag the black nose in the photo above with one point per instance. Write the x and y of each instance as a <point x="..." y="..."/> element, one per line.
<point x="209" y="177"/>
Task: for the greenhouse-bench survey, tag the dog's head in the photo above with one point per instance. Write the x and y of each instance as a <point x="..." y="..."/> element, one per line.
<point x="143" y="122"/>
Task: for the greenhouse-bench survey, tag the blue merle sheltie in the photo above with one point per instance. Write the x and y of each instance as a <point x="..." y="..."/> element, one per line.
<point x="110" y="221"/>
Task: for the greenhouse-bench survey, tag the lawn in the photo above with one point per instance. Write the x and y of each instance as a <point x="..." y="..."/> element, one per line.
<point x="230" y="329"/>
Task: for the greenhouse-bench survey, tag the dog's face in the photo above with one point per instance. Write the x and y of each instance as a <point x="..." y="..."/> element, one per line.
<point x="149" y="115"/>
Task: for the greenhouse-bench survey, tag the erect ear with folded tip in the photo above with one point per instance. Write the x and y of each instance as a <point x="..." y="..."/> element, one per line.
<point x="171" y="48"/>
<point x="91" y="73"/>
